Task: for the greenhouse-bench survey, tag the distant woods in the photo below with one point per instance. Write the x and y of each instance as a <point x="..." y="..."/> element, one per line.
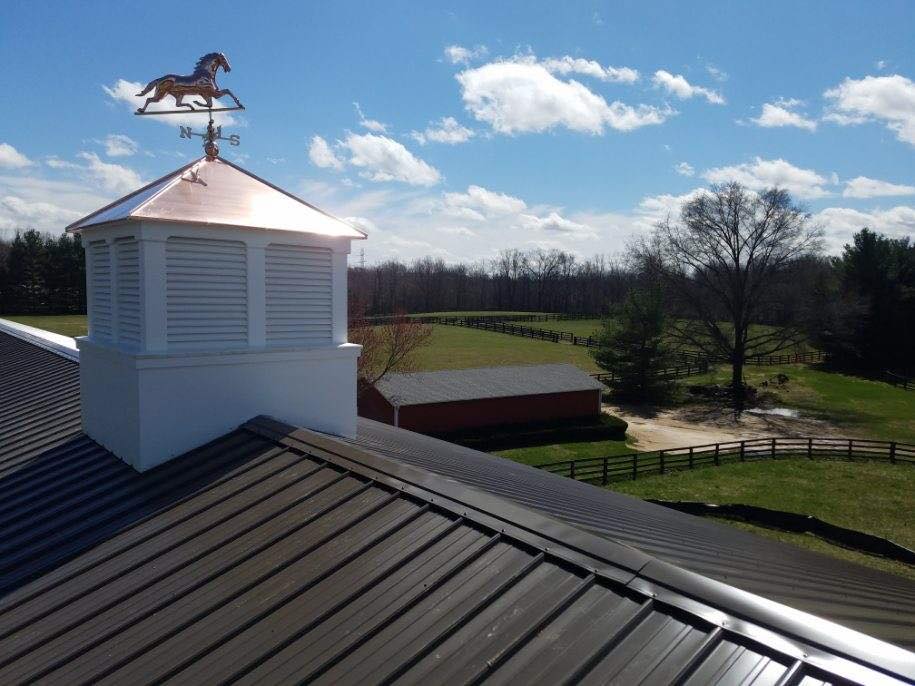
<point x="42" y="274"/>
<point x="516" y="280"/>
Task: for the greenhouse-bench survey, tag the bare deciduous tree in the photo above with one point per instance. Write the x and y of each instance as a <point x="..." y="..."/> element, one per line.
<point x="724" y="261"/>
<point x="388" y="347"/>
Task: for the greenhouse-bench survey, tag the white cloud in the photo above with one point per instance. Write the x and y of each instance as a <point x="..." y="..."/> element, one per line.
<point x="761" y="174"/>
<point x="112" y="177"/>
<point x="457" y="54"/>
<point x="781" y="113"/>
<point x="119" y="145"/>
<point x="554" y="222"/>
<point x="684" y="169"/>
<point x="45" y="204"/>
<point x="457" y="231"/>
<point x="384" y="159"/>
<point x="480" y="203"/>
<point x="321" y="155"/>
<point x="863" y="187"/>
<point x="890" y="99"/>
<point x="576" y="65"/>
<point x="840" y="223"/>
<point x="880" y="65"/>
<point x="372" y="125"/>
<point x="446" y="130"/>
<point x="520" y="96"/>
<point x="718" y="74"/>
<point x="679" y="86"/>
<point x="10" y="158"/>
<point x="124" y="91"/>
<point x="362" y="223"/>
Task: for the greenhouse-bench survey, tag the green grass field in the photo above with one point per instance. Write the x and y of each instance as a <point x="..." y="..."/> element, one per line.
<point x="64" y="324"/>
<point x="555" y="452"/>
<point x="454" y="347"/>
<point x="866" y="496"/>
<point x="870" y="409"/>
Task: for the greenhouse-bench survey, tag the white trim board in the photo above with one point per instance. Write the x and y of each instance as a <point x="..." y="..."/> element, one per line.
<point x="55" y="342"/>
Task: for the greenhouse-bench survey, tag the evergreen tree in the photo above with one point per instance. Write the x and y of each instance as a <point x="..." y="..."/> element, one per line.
<point x="632" y="345"/>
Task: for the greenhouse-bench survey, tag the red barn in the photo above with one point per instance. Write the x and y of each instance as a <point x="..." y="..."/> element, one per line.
<point x="457" y="399"/>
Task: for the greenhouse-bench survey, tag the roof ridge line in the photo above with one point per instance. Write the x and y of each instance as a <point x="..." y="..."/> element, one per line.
<point x="650" y="574"/>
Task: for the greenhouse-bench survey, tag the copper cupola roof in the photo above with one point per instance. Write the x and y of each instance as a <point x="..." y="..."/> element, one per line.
<point x="216" y="192"/>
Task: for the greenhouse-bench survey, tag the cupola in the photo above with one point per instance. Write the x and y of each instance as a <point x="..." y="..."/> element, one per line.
<point x="213" y="297"/>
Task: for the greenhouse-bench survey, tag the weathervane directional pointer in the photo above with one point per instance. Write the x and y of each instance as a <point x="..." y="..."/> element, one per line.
<point x="201" y="83"/>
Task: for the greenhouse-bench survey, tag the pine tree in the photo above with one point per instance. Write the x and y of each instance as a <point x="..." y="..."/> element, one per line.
<point x="632" y="345"/>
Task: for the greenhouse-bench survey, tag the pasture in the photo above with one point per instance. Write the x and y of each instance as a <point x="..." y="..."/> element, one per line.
<point x="874" y="497"/>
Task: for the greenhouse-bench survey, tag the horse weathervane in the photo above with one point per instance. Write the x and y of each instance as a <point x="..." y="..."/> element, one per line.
<point x="201" y="83"/>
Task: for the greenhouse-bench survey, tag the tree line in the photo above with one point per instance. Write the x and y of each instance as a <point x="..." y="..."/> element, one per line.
<point x="42" y="274"/>
<point x="536" y="280"/>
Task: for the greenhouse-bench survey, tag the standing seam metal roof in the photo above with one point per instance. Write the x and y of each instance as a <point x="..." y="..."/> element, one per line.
<point x="871" y="601"/>
<point x="275" y="554"/>
<point x="453" y="385"/>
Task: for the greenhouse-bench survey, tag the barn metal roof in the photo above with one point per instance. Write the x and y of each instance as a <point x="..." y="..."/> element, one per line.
<point x="217" y="192"/>
<point x="452" y="385"/>
<point x="277" y="554"/>
<point x="871" y="601"/>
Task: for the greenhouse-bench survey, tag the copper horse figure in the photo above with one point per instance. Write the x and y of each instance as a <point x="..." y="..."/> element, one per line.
<point x="201" y="83"/>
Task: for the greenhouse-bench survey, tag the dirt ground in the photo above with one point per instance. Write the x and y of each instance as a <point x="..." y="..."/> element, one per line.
<point x="651" y="429"/>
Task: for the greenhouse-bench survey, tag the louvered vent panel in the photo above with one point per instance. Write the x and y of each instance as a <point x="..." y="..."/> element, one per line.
<point x="101" y="290"/>
<point x="127" y="255"/>
<point x="207" y="297"/>
<point x="298" y="295"/>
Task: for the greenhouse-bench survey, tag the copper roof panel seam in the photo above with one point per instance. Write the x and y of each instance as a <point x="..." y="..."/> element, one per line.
<point x="60" y="656"/>
<point x="134" y="493"/>
<point x="524" y="524"/>
<point x="400" y="522"/>
<point x="230" y="666"/>
<point x="173" y="541"/>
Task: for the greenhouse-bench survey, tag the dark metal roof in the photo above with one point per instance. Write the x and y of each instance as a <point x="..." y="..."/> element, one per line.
<point x="871" y="601"/>
<point x="451" y="385"/>
<point x="277" y="554"/>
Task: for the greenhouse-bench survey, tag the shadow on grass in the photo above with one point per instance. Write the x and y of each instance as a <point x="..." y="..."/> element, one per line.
<point x="509" y="436"/>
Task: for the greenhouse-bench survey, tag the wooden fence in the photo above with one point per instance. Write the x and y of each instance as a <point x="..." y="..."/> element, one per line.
<point x="604" y="470"/>
<point x="903" y="382"/>
<point x="678" y="372"/>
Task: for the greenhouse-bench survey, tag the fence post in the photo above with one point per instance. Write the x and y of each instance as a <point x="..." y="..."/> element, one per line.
<point x="810" y="448"/>
<point x="691" y="457"/>
<point x="572" y="469"/>
<point x="893" y="452"/>
<point x="635" y="466"/>
<point x="742" y="446"/>
<point x="773" y="447"/>
<point x="849" y="447"/>
<point x="605" y="471"/>
<point x="717" y="448"/>
<point x="661" y="455"/>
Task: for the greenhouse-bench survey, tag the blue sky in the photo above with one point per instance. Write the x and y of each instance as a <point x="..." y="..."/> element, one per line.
<point x="479" y="126"/>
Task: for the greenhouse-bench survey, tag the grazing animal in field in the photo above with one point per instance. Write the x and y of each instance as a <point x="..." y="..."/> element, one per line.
<point x="201" y="83"/>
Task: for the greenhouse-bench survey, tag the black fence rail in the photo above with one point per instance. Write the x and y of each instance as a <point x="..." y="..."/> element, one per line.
<point x="604" y="470"/>
<point x="434" y="318"/>
<point x="677" y="372"/>
<point x="903" y="382"/>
